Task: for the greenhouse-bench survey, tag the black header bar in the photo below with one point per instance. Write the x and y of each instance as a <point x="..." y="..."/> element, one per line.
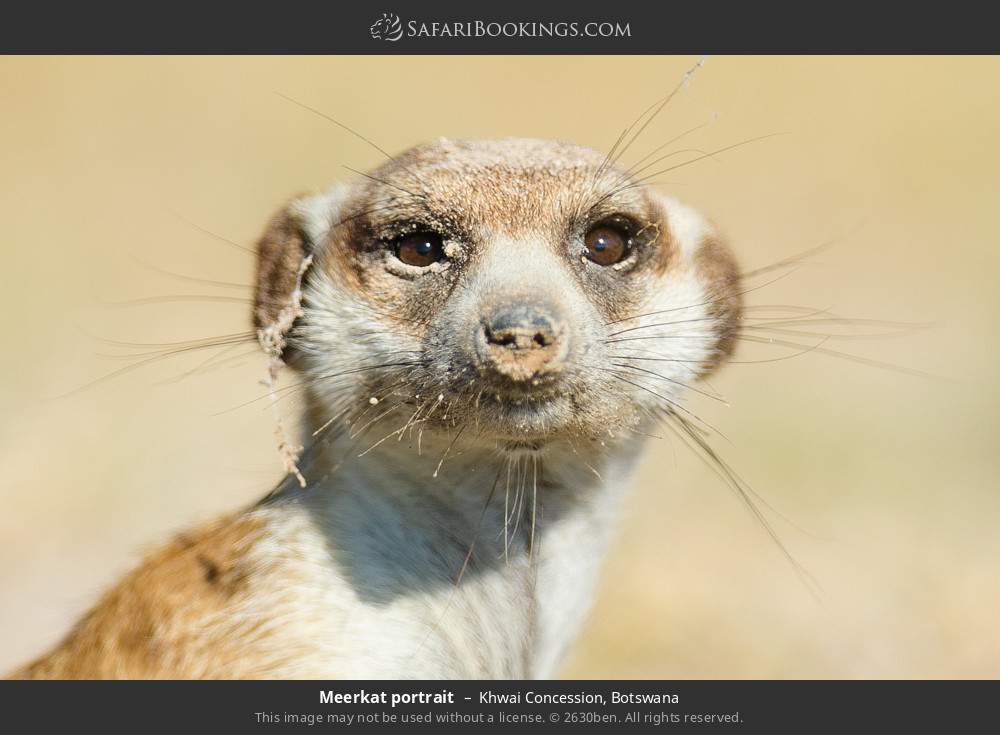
<point x="509" y="27"/>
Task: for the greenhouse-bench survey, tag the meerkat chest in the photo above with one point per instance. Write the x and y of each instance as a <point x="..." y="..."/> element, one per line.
<point x="380" y="600"/>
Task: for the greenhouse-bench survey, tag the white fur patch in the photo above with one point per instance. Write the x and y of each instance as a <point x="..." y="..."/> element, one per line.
<point x="318" y="213"/>
<point x="687" y="226"/>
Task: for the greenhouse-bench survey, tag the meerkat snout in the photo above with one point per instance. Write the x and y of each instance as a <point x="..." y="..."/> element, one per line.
<point x="522" y="342"/>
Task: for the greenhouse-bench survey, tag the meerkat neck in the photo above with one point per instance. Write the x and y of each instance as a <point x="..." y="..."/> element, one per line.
<point x="482" y="565"/>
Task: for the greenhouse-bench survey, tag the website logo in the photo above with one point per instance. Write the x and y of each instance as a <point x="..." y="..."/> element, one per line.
<point x="387" y="28"/>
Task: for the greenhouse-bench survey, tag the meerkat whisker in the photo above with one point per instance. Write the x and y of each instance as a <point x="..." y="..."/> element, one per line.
<point x="632" y="169"/>
<point x="215" y="361"/>
<point x="902" y="369"/>
<point x="379" y="417"/>
<point x="679" y="152"/>
<point x="155" y="357"/>
<point x="506" y="512"/>
<point x="191" y="279"/>
<point x="643" y="180"/>
<point x="447" y="451"/>
<point x="336" y="122"/>
<point x="206" y="341"/>
<point x="215" y="236"/>
<point x="384" y="182"/>
<point x="398" y="432"/>
<point x="177" y="298"/>
<point x="682" y="384"/>
<point x="712" y="460"/>
<point x="534" y="502"/>
<point x="647" y="337"/>
<point x="519" y="495"/>
<point x="663" y="324"/>
<point x="659" y="108"/>
<point x="289" y="391"/>
<point x="674" y="405"/>
<point x="901" y="332"/>
<point x="167" y="353"/>
<point x="698" y="305"/>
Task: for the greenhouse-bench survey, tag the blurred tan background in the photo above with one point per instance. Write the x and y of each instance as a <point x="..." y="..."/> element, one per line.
<point x="111" y="165"/>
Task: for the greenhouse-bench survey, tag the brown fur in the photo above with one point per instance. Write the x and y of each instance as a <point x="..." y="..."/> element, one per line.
<point x="170" y="618"/>
<point x="720" y="272"/>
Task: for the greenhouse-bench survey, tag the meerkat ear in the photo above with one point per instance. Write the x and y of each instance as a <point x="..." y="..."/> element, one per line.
<point x="284" y="253"/>
<point x="281" y="251"/>
<point x="697" y="247"/>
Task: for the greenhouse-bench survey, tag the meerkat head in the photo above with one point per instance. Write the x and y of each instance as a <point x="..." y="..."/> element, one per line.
<point x="524" y="288"/>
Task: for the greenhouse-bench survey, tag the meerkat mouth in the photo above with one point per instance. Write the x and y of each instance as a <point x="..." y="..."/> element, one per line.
<point x="518" y="423"/>
<point x="524" y="448"/>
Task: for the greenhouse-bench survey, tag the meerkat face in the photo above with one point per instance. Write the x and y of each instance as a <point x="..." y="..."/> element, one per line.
<point x="524" y="288"/>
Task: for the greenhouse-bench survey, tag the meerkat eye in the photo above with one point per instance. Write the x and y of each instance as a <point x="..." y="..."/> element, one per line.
<point x="420" y="249"/>
<point x="606" y="244"/>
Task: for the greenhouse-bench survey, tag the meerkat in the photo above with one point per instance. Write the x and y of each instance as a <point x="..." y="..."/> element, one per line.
<point x="485" y="333"/>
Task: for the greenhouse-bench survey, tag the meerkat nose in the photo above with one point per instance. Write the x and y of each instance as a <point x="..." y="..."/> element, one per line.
<point x="522" y="341"/>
